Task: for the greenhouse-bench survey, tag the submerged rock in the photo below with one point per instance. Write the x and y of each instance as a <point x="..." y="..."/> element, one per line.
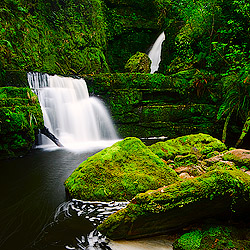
<point x="216" y="193"/>
<point x="119" y="173"/>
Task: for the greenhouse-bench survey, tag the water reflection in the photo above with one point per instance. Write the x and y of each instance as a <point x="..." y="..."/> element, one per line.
<point x="32" y="188"/>
<point x="34" y="213"/>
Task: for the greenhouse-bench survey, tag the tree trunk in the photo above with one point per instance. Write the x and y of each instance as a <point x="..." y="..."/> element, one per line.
<point x="45" y="131"/>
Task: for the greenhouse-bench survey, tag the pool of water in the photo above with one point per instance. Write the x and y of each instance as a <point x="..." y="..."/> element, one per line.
<point x="36" y="214"/>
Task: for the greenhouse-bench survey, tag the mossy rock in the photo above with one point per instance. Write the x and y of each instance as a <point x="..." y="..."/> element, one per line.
<point x="216" y="193"/>
<point x="185" y="160"/>
<point x="21" y="118"/>
<point x="214" y="237"/>
<point x="240" y="157"/>
<point x="140" y="63"/>
<point x="199" y="144"/>
<point x="119" y="173"/>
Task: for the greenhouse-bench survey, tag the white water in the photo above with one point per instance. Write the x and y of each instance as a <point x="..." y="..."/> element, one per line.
<point x="155" y="53"/>
<point x="77" y="120"/>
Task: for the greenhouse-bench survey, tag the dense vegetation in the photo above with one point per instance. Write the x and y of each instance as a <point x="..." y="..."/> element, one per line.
<point x="206" y="50"/>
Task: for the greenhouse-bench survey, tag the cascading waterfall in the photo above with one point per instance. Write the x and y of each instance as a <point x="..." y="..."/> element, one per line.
<point x="155" y="53"/>
<point x="69" y="113"/>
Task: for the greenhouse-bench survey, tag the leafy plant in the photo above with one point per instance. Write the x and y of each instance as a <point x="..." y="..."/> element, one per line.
<point x="236" y="101"/>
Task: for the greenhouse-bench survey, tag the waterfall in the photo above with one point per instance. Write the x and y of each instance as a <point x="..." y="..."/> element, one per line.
<point x="69" y="113"/>
<point x="155" y="53"/>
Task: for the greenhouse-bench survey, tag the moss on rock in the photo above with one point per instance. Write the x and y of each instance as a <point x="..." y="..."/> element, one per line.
<point x="199" y="144"/>
<point x="140" y="62"/>
<point x="119" y="173"/>
<point x="168" y="208"/>
<point x="20" y="119"/>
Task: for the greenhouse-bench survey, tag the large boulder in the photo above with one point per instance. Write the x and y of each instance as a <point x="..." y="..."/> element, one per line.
<point x="119" y="173"/>
<point x="216" y="193"/>
<point x="199" y="144"/>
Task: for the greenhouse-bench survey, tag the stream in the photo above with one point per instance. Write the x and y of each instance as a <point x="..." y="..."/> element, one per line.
<point x="35" y="212"/>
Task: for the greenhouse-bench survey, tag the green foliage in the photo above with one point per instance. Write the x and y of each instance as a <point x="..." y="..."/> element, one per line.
<point x="189" y="241"/>
<point x="21" y="117"/>
<point x="213" y="35"/>
<point x="236" y="99"/>
<point x="213" y="237"/>
<point x="51" y="36"/>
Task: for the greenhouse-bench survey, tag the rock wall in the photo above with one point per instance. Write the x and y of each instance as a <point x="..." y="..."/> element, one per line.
<point x="146" y="105"/>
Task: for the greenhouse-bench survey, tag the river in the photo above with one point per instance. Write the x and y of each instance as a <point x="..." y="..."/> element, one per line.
<point x="36" y="214"/>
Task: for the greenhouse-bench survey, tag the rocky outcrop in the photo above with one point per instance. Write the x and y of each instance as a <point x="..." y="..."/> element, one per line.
<point x="119" y="173"/>
<point x="20" y="119"/>
<point x="146" y="105"/>
<point x="223" y="193"/>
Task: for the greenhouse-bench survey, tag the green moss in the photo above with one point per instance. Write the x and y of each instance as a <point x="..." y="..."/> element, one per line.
<point x="21" y="117"/>
<point x="176" y="203"/>
<point x="199" y="144"/>
<point x="185" y="160"/>
<point x="139" y="62"/>
<point x="213" y="237"/>
<point x="189" y="241"/>
<point x="119" y="173"/>
<point x="239" y="157"/>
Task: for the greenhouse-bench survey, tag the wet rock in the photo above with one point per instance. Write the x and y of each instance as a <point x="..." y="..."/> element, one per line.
<point x="216" y="193"/>
<point x="119" y="173"/>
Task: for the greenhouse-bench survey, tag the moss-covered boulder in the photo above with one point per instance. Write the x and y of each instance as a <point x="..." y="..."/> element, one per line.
<point x="140" y="63"/>
<point x="198" y="144"/>
<point x="240" y="157"/>
<point x="20" y="119"/>
<point x="119" y="173"/>
<point x="214" y="237"/>
<point x="216" y="193"/>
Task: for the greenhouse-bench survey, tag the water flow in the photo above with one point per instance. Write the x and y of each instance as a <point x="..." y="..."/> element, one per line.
<point x="70" y="114"/>
<point x="155" y="53"/>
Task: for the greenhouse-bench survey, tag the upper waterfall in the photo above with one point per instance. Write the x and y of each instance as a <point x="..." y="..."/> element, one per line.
<point x="155" y="53"/>
<point x="69" y="113"/>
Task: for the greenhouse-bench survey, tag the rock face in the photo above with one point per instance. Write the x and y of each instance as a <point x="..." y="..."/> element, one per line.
<point x="20" y="119"/>
<point x="119" y="173"/>
<point x="146" y="105"/>
<point x="217" y="193"/>
<point x="139" y="63"/>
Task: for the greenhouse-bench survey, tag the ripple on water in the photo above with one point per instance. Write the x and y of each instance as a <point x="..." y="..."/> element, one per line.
<point x="73" y="227"/>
